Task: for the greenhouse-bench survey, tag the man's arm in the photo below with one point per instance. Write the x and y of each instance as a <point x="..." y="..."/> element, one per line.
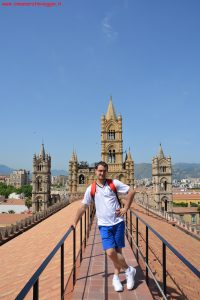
<point x="129" y="199"/>
<point x="84" y="204"/>
<point x="79" y="213"/>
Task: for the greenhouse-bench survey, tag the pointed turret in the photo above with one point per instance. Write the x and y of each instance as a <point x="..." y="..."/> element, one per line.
<point x="76" y="158"/>
<point x="73" y="158"/>
<point x="160" y="152"/>
<point x="129" y="157"/>
<point x="111" y="111"/>
<point x="42" y="151"/>
<point x="126" y="156"/>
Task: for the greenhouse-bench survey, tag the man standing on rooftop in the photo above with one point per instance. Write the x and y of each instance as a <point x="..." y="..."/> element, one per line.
<point x="110" y="220"/>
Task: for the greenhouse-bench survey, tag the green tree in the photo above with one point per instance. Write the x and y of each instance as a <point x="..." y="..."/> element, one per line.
<point x="26" y="190"/>
<point x="6" y="190"/>
<point x="28" y="202"/>
<point x="180" y="204"/>
<point x="193" y="204"/>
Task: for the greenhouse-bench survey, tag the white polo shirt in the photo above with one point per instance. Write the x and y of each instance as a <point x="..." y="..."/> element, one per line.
<point x="106" y="202"/>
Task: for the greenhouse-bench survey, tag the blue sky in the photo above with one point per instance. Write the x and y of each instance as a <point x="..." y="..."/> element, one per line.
<point x="59" y="66"/>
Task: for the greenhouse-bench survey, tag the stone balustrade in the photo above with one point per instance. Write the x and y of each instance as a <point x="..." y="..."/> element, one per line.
<point x="188" y="228"/>
<point x="9" y="232"/>
<point x="75" y="196"/>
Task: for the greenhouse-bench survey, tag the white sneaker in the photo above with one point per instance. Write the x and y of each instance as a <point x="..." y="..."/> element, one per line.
<point x="130" y="277"/>
<point x="117" y="284"/>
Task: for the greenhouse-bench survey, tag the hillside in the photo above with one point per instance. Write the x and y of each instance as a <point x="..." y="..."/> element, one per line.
<point x="142" y="170"/>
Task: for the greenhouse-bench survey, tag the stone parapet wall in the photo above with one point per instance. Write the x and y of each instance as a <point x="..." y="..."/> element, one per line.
<point x="187" y="228"/>
<point x="9" y="232"/>
<point x="75" y="197"/>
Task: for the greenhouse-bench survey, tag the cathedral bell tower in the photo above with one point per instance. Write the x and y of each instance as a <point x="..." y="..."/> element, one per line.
<point x="81" y="174"/>
<point x="162" y="181"/>
<point x="41" y="180"/>
<point x="73" y="173"/>
<point x="112" y="147"/>
<point x="111" y="139"/>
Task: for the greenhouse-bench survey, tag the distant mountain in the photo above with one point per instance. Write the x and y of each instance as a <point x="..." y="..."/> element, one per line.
<point x="142" y="170"/>
<point x="179" y="170"/>
<point x="55" y="173"/>
<point x="58" y="172"/>
<point x="184" y="170"/>
<point x="4" y="170"/>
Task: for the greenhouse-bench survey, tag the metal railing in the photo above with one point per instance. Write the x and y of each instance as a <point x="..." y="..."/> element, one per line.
<point x="87" y="219"/>
<point x="145" y="258"/>
<point x="34" y="280"/>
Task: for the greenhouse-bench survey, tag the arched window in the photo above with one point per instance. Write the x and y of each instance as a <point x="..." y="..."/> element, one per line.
<point x="111" y="156"/>
<point x="163" y="184"/>
<point x="37" y="205"/>
<point x="39" y="167"/>
<point x="114" y="156"/>
<point x="39" y="184"/>
<point x="81" y="179"/>
<point x="111" y="135"/>
<point x="163" y="169"/>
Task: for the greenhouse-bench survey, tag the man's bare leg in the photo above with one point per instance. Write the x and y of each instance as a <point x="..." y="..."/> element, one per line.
<point x="117" y="258"/>
<point x="117" y="270"/>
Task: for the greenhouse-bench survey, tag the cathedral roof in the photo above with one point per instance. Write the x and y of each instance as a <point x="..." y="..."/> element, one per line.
<point x="111" y="111"/>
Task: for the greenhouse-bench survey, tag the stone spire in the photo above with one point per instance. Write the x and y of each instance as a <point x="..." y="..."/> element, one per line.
<point x="74" y="156"/>
<point x="42" y="151"/>
<point x="129" y="157"/>
<point x="126" y="156"/>
<point x="160" y="152"/>
<point x="111" y="111"/>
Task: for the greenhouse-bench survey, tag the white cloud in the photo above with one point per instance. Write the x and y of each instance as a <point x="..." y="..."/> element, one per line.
<point x="107" y="28"/>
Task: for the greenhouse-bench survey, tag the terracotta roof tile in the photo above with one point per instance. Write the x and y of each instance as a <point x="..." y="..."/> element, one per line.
<point x="186" y="196"/>
<point x="30" y="249"/>
<point x="13" y="202"/>
<point x="185" y="209"/>
<point x="6" y="219"/>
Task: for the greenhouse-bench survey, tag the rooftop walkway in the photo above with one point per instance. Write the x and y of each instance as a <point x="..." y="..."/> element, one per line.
<point x="94" y="278"/>
<point x="21" y="257"/>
